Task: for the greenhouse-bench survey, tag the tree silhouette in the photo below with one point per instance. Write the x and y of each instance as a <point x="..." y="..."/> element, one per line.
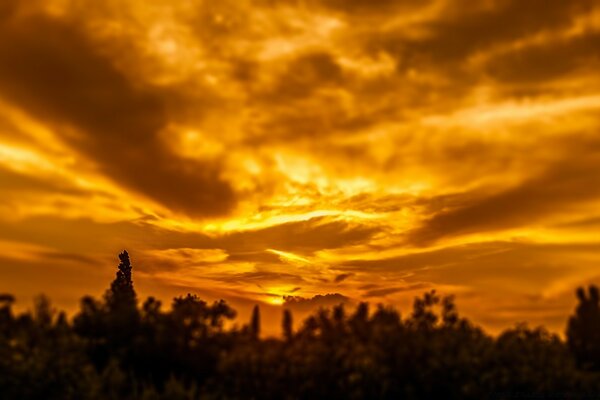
<point x="6" y="302"/>
<point x="115" y="349"/>
<point x="121" y="307"/>
<point x="255" y="322"/>
<point x="287" y="324"/>
<point x="583" y="329"/>
<point x="121" y="294"/>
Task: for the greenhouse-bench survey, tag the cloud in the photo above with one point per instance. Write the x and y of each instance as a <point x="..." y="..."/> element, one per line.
<point x="258" y="147"/>
<point x="365" y="7"/>
<point x="462" y="28"/>
<point x="342" y="277"/>
<point x="490" y="267"/>
<point x="14" y="182"/>
<point x="55" y="71"/>
<point x="546" y="61"/>
<point x="382" y="292"/>
<point x="86" y="236"/>
<point x="260" y="276"/>
<point x="8" y="8"/>
<point x="590" y="222"/>
<point x="421" y="261"/>
<point x="69" y="257"/>
<point x="189" y="256"/>
<point x="557" y="190"/>
<point x="258" y="256"/>
<point x="302" y="304"/>
<point x="306" y="73"/>
<point x="157" y="249"/>
<point x="301" y="236"/>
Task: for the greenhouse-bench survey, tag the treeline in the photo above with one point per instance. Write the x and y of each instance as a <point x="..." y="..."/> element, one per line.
<point x="115" y="349"/>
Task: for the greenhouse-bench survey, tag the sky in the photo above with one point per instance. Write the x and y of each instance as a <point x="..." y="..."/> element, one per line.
<point x="329" y="150"/>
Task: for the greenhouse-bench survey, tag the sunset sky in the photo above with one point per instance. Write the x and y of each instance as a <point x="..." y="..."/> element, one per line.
<point x="335" y="150"/>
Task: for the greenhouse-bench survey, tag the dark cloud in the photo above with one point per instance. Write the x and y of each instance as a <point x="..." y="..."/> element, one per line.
<point x="88" y="237"/>
<point x="590" y="222"/>
<point x="307" y="73"/>
<point x="383" y="292"/>
<point x="8" y="8"/>
<point x="302" y="236"/>
<point x="259" y="256"/>
<point x="15" y="183"/>
<point x="494" y="266"/>
<point x="555" y="191"/>
<point x="52" y="69"/>
<point x="369" y="286"/>
<point x="300" y="106"/>
<point x="351" y="8"/>
<point x="378" y="204"/>
<point x="302" y="304"/>
<point x="391" y="290"/>
<point x="548" y="60"/>
<point x="318" y="117"/>
<point x="416" y="262"/>
<point x="342" y="277"/>
<point x="259" y="276"/>
<point x="464" y="28"/>
<point x="361" y="8"/>
<point x="70" y="257"/>
<point x="528" y="267"/>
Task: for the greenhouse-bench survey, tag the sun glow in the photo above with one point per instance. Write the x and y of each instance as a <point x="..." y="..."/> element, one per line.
<point x="276" y="301"/>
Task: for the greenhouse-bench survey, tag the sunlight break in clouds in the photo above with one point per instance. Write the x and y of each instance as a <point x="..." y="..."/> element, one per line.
<point x="245" y="149"/>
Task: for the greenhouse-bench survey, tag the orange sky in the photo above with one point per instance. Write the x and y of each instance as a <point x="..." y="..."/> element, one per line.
<point x="344" y="149"/>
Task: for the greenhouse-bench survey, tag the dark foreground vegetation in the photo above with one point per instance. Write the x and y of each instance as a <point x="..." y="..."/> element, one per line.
<point x="114" y="349"/>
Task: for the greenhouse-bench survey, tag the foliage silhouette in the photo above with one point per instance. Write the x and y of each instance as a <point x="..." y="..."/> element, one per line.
<point x="115" y="349"/>
<point x="287" y="325"/>
<point x="255" y="322"/>
<point x="583" y="330"/>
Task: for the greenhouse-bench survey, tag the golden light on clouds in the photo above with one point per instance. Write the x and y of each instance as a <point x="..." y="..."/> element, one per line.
<point x="258" y="149"/>
<point x="277" y="301"/>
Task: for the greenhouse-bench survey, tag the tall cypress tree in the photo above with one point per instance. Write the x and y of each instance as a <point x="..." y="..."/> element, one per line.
<point x="287" y="324"/>
<point x="123" y="317"/>
<point x="255" y="322"/>
<point x="121" y="295"/>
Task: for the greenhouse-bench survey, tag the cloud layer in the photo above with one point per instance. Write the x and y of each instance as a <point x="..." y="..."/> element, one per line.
<point x="256" y="149"/>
